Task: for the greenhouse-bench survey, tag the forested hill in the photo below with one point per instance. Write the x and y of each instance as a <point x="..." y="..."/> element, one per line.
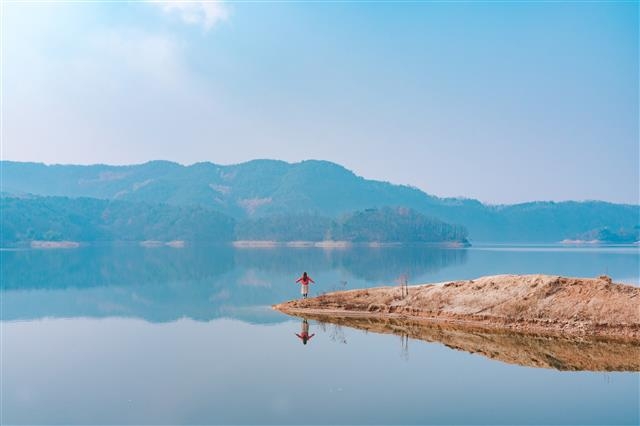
<point x="34" y="218"/>
<point x="94" y="220"/>
<point x="269" y="188"/>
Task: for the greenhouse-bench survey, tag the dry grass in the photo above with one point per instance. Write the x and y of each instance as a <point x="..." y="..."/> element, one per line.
<point x="518" y="302"/>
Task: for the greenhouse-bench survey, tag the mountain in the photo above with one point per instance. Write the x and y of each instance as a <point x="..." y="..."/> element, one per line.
<point x="255" y="188"/>
<point x="269" y="188"/>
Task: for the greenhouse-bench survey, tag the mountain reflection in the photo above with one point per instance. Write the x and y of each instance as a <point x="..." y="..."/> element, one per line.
<point x="111" y="265"/>
<point x="202" y="282"/>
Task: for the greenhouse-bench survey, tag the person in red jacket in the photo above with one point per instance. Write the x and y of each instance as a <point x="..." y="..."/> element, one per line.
<point x="304" y="281"/>
<point x="304" y="333"/>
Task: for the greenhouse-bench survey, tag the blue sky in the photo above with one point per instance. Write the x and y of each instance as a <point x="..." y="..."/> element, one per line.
<point x="500" y="101"/>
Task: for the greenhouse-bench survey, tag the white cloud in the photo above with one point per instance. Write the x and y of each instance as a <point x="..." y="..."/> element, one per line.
<point x="204" y="13"/>
<point x="113" y="91"/>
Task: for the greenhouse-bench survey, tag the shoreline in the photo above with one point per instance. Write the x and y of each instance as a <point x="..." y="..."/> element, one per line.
<point x="48" y="245"/>
<point x="239" y="244"/>
<point x="336" y="316"/>
<point x="525" y="304"/>
<point x="341" y="244"/>
<point x="328" y="244"/>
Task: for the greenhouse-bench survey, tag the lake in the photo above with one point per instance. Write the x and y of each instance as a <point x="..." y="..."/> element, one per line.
<point x="129" y="335"/>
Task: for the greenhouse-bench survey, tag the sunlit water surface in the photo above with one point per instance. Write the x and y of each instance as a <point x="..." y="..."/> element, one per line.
<point x="129" y="335"/>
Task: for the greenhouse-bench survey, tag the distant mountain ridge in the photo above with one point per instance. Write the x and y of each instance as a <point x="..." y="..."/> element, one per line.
<point x="254" y="188"/>
<point x="264" y="188"/>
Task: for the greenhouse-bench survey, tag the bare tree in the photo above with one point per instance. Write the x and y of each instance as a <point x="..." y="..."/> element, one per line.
<point x="341" y="286"/>
<point x="403" y="283"/>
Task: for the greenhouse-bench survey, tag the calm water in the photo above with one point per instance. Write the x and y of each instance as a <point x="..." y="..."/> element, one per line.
<point x="160" y="335"/>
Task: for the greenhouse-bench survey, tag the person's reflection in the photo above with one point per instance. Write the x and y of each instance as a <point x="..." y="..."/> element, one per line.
<point x="304" y="333"/>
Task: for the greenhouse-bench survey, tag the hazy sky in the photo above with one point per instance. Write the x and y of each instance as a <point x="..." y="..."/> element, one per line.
<point x="500" y="101"/>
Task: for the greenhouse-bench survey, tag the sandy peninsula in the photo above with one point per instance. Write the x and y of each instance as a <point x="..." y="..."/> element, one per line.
<point x="531" y="304"/>
<point x="54" y="244"/>
<point x="532" y="320"/>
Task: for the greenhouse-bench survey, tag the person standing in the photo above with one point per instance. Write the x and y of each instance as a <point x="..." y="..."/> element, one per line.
<point x="304" y="281"/>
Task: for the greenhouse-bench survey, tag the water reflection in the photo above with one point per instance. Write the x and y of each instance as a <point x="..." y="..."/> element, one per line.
<point x="334" y="331"/>
<point x="116" y="265"/>
<point x="304" y="335"/>
<point x="359" y="263"/>
<point x="112" y="265"/>
<point x="123" y="371"/>
<point x="540" y="351"/>
<point x="119" y="369"/>
<point x="206" y="282"/>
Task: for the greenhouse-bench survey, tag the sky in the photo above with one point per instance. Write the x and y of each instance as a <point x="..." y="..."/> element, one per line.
<point x="500" y="101"/>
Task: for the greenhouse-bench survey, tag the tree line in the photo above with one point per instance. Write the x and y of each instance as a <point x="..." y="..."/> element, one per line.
<point x="89" y="220"/>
